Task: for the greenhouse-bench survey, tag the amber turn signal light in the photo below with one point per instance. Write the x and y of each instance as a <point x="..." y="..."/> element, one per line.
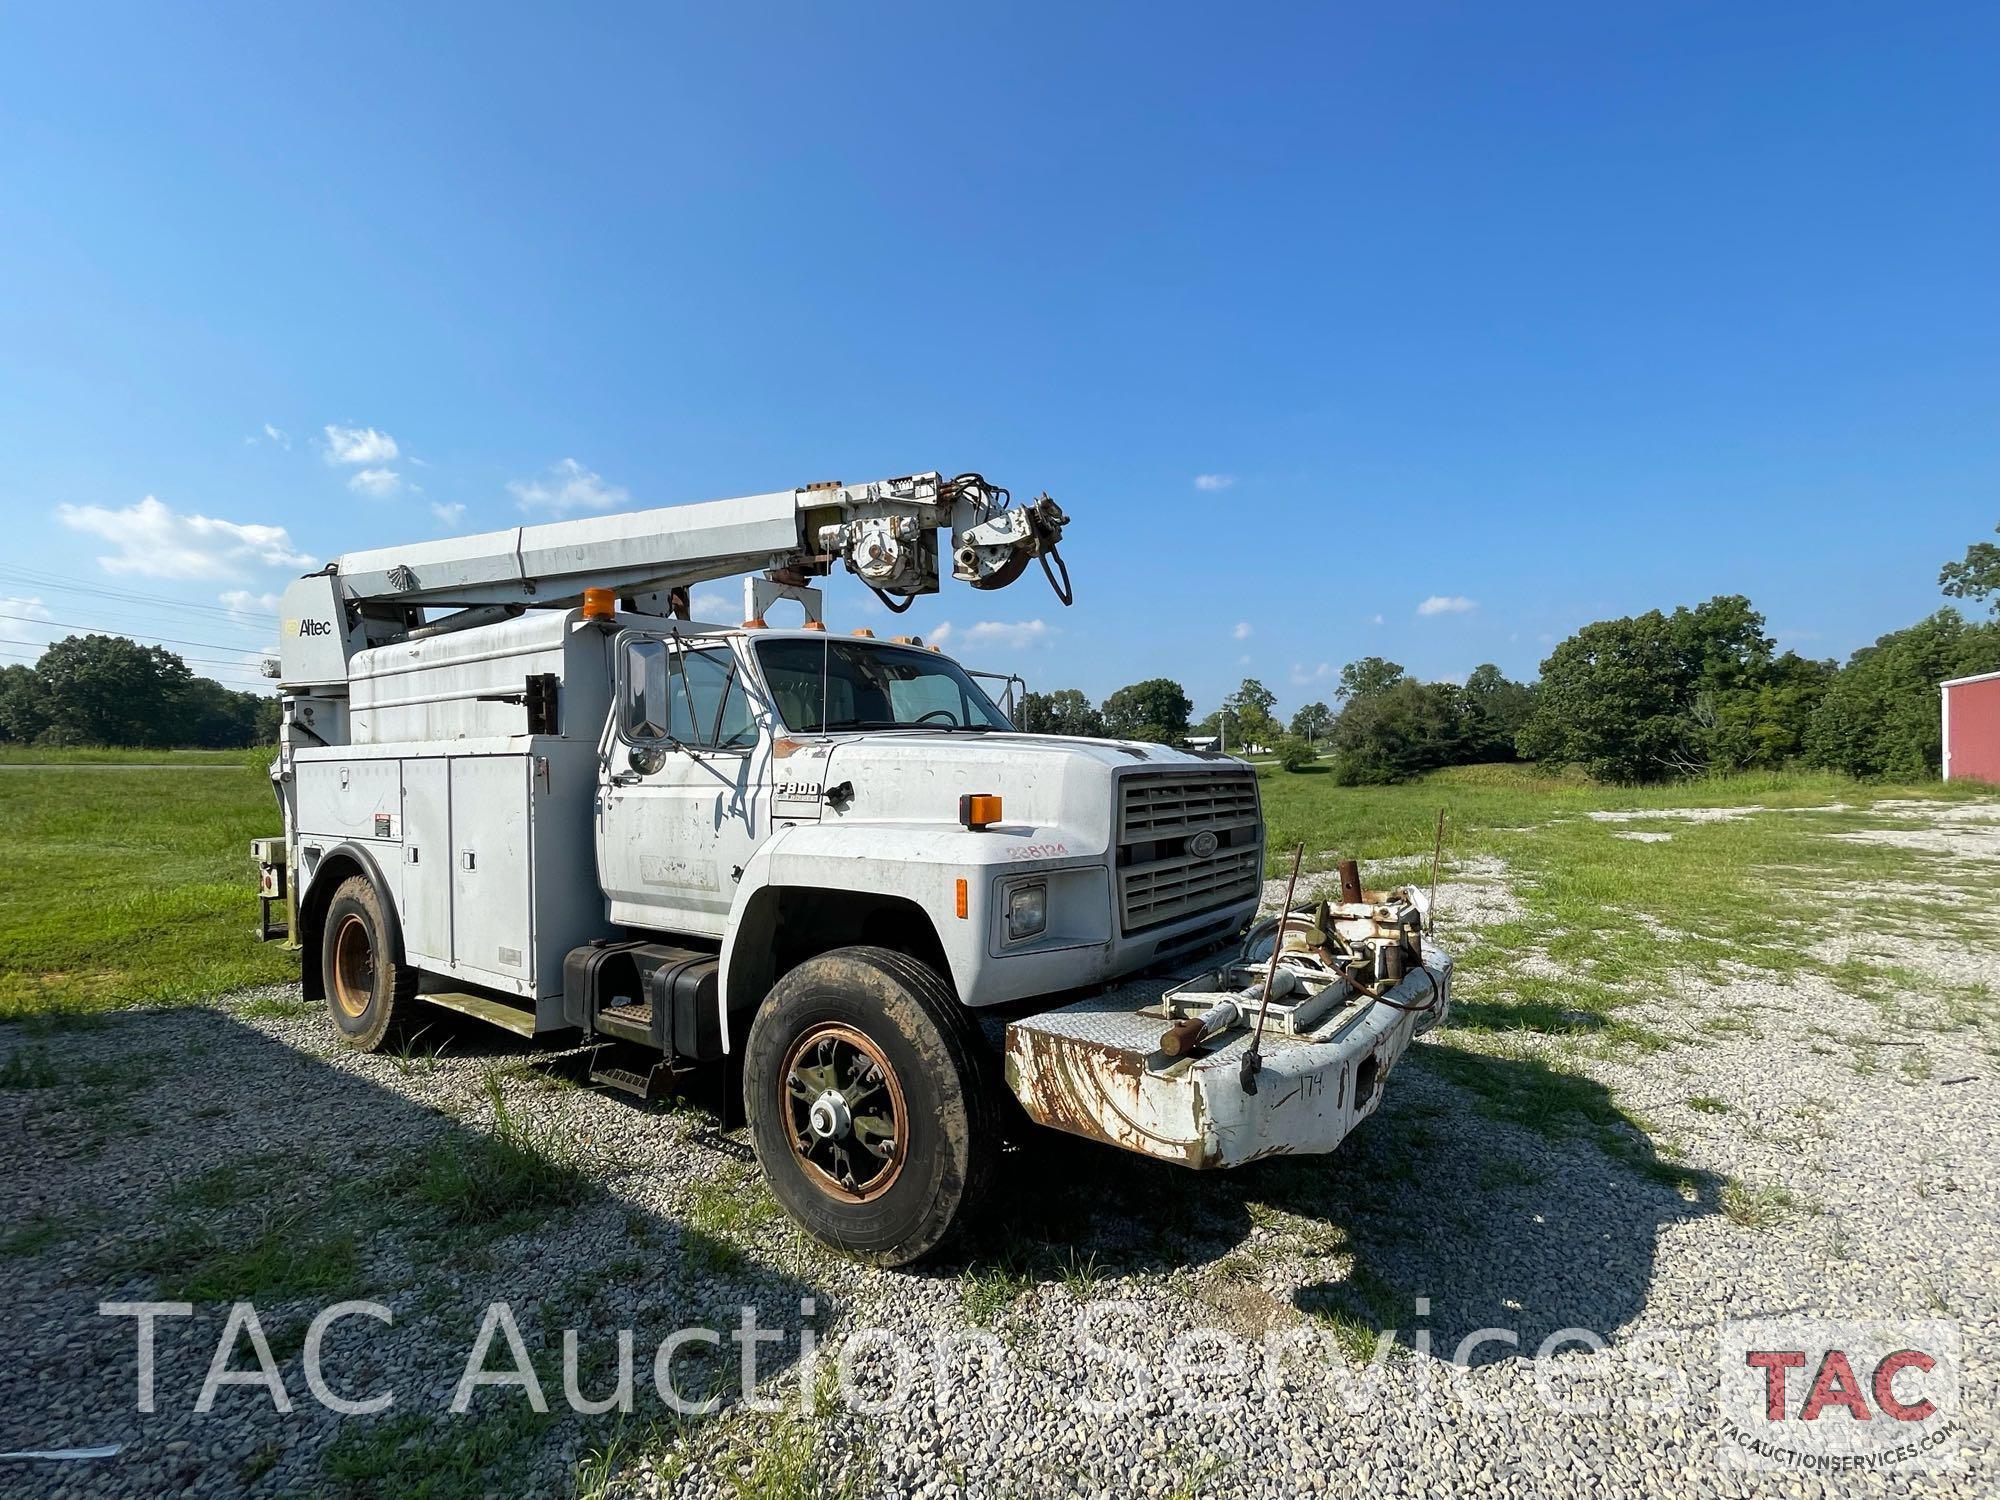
<point x="976" y="810"/>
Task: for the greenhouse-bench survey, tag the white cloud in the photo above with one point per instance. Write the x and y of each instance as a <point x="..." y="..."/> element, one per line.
<point x="376" y="484"/>
<point x="243" y="602"/>
<point x="1453" y="679"/>
<point x="711" y="605"/>
<point x="1374" y="619"/>
<point x="1243" y="661"/>
<point x="447" y="513"/>
<point x="1304" y="676"/>
<point x="1242" y="630"/>
<point x="158" y="541"/>
<point x="1214" y="481"/>
<point x="1002" y="633"/>
<point x="1015" y="634"/>
<point x="358" y="445"/>
<point x="567" y="486"/>
<point x="14" y="605"/>
<point x="1447" y="604"/>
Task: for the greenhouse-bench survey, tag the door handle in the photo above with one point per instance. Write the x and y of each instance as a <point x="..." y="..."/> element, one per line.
<point x="466" y="859"/>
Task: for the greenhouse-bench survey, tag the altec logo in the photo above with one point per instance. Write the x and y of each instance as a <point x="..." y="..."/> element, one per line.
<point x="315" y="627"/>
<point x="1832" y="1396"/>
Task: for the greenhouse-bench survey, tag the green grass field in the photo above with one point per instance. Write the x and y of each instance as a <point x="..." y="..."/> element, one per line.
<point x="130" y="885"/>
<point x="42" y="755"/>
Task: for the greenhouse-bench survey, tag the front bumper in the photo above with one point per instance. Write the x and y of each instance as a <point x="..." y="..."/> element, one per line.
<point x="1094" y="1069"/>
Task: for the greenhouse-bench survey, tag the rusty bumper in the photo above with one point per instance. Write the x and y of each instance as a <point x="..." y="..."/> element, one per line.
<point x="1095" y="1069"/>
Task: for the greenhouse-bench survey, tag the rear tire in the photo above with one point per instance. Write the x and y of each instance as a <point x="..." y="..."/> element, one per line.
<point x="369" y="989"/>
<point x="871" y="1103"/>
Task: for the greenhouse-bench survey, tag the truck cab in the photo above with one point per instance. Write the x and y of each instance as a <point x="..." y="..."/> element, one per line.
<point x="770" y="788"/>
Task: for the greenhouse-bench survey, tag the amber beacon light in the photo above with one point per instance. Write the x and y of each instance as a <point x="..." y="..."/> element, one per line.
<point x="977" y="810"/>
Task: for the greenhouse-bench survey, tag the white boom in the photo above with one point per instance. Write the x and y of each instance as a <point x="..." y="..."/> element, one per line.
<point x="886" y="533"/>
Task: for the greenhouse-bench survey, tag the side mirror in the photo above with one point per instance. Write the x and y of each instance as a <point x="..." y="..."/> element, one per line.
<point x="646" y="760"/>
<point x="646" y="688"/>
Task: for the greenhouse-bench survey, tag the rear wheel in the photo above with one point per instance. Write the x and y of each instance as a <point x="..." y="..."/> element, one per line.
<point x="368" y="987"/>
<point x="870" y="1103"/>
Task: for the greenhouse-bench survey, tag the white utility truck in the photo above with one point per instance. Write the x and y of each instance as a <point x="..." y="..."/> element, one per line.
<point x="517" y="781"/>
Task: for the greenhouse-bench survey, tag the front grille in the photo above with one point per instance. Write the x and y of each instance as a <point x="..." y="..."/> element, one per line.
<point x="1159" y="880"/>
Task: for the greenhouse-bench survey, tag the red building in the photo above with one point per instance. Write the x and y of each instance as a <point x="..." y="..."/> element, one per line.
<point x="1972" y="728"/>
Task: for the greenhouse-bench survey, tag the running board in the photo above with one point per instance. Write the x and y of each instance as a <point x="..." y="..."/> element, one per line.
<point x="514" y="1018"/>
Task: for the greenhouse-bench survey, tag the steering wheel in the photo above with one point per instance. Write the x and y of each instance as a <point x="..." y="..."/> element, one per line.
<point x="950" y="717"/>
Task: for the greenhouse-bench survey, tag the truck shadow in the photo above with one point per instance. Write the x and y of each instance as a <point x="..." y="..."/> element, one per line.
<point x="1506" y="1193"/>
<point x="187" y="1155"/>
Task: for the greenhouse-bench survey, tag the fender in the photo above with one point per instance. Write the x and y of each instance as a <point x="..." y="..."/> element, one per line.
<point x="926" y="861"/>
<point x="348" y="851"/>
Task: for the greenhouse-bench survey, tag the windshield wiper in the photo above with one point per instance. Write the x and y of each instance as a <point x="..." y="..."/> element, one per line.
<point x="839" y="724"/>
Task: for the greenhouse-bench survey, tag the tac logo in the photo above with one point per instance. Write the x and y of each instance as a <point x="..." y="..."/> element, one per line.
<point x="1832" y="1396"/>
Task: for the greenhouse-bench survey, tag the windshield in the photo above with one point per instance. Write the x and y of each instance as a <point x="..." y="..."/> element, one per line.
<point x="867" y="686"/>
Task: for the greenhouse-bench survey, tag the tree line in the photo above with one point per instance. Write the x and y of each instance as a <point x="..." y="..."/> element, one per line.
<point x="1650" y="697"/>
<point x="107" y="690"/>
<point x="1646" y="697"/>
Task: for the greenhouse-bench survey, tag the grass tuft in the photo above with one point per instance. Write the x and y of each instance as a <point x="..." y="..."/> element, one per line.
<point x="30" y="1068"/>
<point x="1756" y="1208"/>
<point x="508" y="1179"/>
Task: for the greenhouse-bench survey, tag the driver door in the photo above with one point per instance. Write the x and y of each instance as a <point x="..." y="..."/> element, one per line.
<point x="684" y="800"/>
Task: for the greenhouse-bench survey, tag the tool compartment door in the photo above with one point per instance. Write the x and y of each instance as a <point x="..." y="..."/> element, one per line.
<point x="491" y="861"/>
<point x="427" y="860"/>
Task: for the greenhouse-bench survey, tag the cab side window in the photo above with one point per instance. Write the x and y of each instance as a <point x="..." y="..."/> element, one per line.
<point x="686" y="697"/>
<point x="700" y="680"/>
<point x="735" y="729"/>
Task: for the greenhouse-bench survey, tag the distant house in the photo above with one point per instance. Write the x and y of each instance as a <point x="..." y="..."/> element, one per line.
<point x="1203" y="741"/>
<point x="1972" y="728"/>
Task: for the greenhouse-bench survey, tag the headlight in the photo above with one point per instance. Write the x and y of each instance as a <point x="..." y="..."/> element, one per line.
<point x="1027" y="910"/>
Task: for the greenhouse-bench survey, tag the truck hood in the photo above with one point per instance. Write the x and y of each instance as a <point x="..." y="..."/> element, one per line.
<point x="1045" y="782"/>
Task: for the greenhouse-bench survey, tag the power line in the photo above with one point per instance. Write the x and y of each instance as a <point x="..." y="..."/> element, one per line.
<point x="64" y="583"/>
<point x="242" y="681"/>
<point x="128" y="634"/>
<point x="150" y="614"/>
<point x="213" y="661"/>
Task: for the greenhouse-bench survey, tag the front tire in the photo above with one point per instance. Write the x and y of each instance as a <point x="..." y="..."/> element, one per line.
<point x="870" y="1103"/>
<point x="369" y="989"/>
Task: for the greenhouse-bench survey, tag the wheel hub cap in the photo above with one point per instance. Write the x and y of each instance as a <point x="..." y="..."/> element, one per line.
<point x="829" y="1116"/>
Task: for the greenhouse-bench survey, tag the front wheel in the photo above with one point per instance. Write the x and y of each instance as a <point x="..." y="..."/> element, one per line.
<point x="870" y="1103"/>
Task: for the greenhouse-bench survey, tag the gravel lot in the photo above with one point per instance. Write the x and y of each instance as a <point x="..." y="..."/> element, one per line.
<point x="1797" y="1159"/>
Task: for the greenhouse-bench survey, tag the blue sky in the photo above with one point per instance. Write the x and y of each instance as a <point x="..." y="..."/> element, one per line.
<point x="1531" y="313"/>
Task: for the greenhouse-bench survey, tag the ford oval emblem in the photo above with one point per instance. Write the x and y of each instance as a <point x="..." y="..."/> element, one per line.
<point x="1202" y="844"/>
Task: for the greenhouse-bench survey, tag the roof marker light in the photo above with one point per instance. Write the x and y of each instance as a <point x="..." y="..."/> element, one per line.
<point x="979" y="810"/>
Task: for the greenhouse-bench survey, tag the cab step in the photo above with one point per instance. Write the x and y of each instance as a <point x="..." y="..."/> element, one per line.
<point x="631" y="1022"/>
<point x="652" y="1084"/>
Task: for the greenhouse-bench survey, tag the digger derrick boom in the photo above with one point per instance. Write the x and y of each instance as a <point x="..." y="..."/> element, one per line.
<point x="886" y="533"/>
